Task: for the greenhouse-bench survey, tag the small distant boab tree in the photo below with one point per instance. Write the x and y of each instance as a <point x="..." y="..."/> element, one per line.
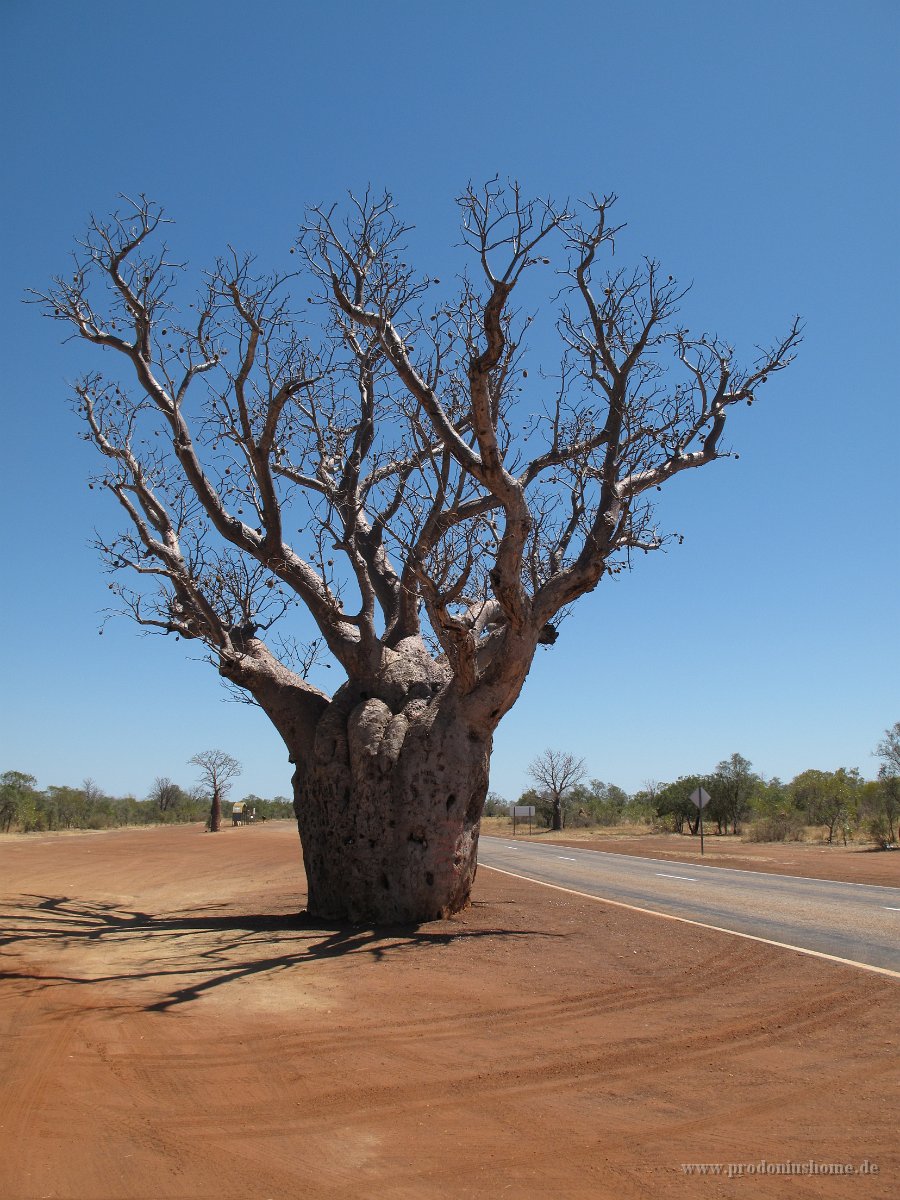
<point x="362" y="444"/>
<point x="217" y="770"/>
<point x="556" y="774"/>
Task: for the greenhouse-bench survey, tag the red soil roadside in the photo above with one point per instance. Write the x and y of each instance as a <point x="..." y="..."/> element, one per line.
<point x="170" y="1028"/>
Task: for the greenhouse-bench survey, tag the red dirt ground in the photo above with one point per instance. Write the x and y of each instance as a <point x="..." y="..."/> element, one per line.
<point x="170" y="1028"/>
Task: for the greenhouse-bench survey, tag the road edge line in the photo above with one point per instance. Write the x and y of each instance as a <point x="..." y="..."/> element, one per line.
<point x="706" y="866"/>
<point x="652" y="912"/>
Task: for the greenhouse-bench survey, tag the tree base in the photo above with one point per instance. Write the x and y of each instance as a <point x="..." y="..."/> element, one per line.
<point x="389" y="813"/>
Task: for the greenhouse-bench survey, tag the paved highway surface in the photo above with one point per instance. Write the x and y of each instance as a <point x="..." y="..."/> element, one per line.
<point x="856" y="922"/>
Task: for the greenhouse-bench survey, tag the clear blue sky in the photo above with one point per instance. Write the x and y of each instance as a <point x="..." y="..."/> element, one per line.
<point x="754" y="149"/>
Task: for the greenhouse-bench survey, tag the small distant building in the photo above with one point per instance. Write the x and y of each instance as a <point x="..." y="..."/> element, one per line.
<point x="242" y="813"/>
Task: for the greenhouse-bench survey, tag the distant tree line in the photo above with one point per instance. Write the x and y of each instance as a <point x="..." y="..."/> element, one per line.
<point x="840" y="802"/>
<point x="25" y="808"/>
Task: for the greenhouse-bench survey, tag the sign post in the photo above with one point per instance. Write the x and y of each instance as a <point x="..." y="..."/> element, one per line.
<point x="700" y="797"/>
<point x="522" y="810"/>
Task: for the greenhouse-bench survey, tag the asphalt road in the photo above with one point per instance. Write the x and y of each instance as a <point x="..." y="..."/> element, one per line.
<point x="856" y="922"/>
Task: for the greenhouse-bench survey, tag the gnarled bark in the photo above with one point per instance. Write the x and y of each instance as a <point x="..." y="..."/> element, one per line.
<point x="389" y="803"/>
<point x="389" y="814"/>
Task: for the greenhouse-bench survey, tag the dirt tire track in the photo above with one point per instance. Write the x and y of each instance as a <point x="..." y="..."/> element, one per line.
<point x="419" y="1065"/>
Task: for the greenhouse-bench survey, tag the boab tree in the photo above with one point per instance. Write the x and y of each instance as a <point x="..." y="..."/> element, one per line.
<point x="217" y="769"/>
<point x="396" y="477"/>
<point x="556" y="773"/>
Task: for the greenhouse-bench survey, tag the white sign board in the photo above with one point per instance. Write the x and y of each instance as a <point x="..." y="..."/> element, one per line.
<point x="523" y="810"/>
<point x="700" y="797"/>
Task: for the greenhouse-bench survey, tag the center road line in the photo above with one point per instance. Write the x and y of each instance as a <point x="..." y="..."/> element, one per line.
<point x="654" y="912"/>
<point x="844" y="883"/>
<point x="844" y="923"/>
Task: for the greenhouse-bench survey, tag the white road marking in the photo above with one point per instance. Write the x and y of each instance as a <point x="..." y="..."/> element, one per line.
<point x="565" y="858"/>
<point x="710" y="867"/>
<point x="652" y="912"/>
<point x="686" y="878"/>
<point x="888" y="908"/>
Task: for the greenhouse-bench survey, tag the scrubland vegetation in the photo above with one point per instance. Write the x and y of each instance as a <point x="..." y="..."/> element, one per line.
<point x="25" y="808"/>
<point x="836" y="806"/>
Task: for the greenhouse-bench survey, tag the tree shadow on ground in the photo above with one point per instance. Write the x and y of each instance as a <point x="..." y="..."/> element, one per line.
<point x="199" y="952"/>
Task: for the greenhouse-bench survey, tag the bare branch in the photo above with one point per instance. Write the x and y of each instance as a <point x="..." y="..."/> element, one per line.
<point x="379" y="457"/>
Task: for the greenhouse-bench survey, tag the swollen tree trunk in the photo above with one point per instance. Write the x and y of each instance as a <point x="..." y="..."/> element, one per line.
<point x="215" y="812"/>
<point x="389" y="839"/>
<point x="389" y="799"/>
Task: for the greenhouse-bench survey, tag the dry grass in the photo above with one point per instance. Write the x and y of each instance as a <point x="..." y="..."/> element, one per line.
<point x="814" y="835"/>
<point x="503" y="827"/>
